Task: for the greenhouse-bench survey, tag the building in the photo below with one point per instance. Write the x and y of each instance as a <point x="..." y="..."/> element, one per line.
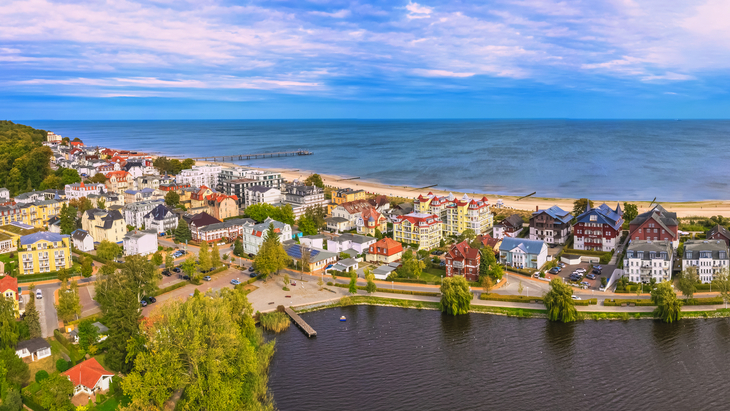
<point x="371" y="221"/>
<point x="36" y="349"/>
<point x="346" y="265"/>
<point x="4" y="195"/>
<point x="89" y="378"/>
<point x="301" y="197"/>
<point x="509" y="227"/>
<point x="253" y="235"/>
<point x="78" y="190"/>
<point x="147" y="181"/>
<point x="108" y="199"/>
<point x="655" y="224"/>
<point x="119" y="181"/>
<point x="44" y="252"/>
<point x="173" y="187"/>
<point x="134" y="213"/>
<point x="9" y="289"/>
<point x="161" y="219"/>
<point x="198" y="221"/>
<point x="238" y="187"/>
<point x="455" y="214"/>
<point x="463" y="260"/>
<point x="345" y="195"/>
<point x="10" y="214"/>
<point x="39" y="212"/>
<point x="551" y="226"/>
<point x="313" y="241"/>
<point x="261" y="195"/>
<point x="523" y="253"/>
<point x="647" y="259"/>
<point x="424" y="230"/>
<point x="200" y="176"/>
<point x="145" y="194"/>
<point x="385" y="251"/>
<point x="319" y="260"/>
<point x="598" y="228"/>
<point x="244" y="178"/>
<point x="29" y="197"/>
<point x="140" y="242"/>
<point x="337" y="224"/>
<point x="82" y="240"/>
<point x="488" y="241"/>
<point x="53" y="137"/>
<point x="709" y="256"/>
<point x="104" y="225"/>
<point x="719" y="232"/>
<point x="360" y="243"/>
<point x="351" y="211"/>
<point x="222" y="206"/>
<point x="226" y="231"/>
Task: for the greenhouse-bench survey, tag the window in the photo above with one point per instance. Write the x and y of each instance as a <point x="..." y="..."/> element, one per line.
<point x="594" y="218"/>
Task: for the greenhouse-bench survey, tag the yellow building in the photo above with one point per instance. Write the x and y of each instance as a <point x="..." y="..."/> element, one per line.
<point x="104" y="225"/>
<point x="44" y="252"/>
<point x="457" y="215"/>
<point x="346" y="195"/>
<point x="37" y="214"/>
<point x="425" y="230"/>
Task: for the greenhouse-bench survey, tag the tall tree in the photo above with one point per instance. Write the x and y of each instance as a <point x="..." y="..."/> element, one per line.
<point x="467" y="235"/>
<point x="271" y="256"/>
<point x="579" y="206"/>
<point x="669" y="308"/>
<point x="169" y="261"/>
<point x="204" y="257"/>
<point x="101" y="204"/>
<point x="98" y="178"/>
<point x="157" y="259"/>
<point x="141" y="275"/>
<point x="88" y="334"/>
<point x="32" y="318"/>
<point x="687" y="281"/>
<point x="172" y="199"/>
<point x="307" y="226"/>
<point x="16" y="370"/>
<point x="69" y="303"/>
<point x="8" y="325"/>
<point x="317" y="215"/>
<point x="182" y="232"/>
<point x="55" y="393"/>
<point x="238" y="248"/>
<point x="314" y="180"/>
<point x="411" y="267"/>
<point x="722" y="284"/>
<point x="559" y="302"/>
<point x="371" y="287"/>
<point x="87" y="267"/>
<point x="68" y="219"/>
<point x="190" y="266"/>
<point x="305" y="260"/>
<point x="631" y="211"/>
<point x="455" y="296"/>
<point x="353" y="283"/>
<point x="108" y="250"/>
<point x="215" y="256"/>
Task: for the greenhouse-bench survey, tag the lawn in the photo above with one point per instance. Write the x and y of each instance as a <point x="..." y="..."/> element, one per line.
<point x="5" y="258"/>
<point x="432" y="274"/>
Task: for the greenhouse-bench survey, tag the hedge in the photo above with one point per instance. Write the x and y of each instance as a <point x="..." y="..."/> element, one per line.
<point x="509" y="298"/>
<point x="638" y="302"/>
<point x="392" y="291"/>
<point x="73" y="351"/>
<point x="97" y="259"/>
<point x="408" y="280"/>
<point x="703" y="301"/>
<point x="520" y="271"/>
<point x="173" y="287"/>
<point x="590" y="301"/>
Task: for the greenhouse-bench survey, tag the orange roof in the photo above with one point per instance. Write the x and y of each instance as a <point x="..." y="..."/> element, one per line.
<point x="9" y="283"/>
<point x="219" y="197"/>
<point x="77" y="143"/>
<point x="118" y="174"/>
<point x="88" y="373"/>
<point x="389" y="246"/>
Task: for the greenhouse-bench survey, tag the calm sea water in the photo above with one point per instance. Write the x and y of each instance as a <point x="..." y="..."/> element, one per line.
<point x="398" y="359"/>
<point x="609" y="160"/>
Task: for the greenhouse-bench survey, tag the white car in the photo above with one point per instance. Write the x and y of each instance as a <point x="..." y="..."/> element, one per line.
<point x="575" y="297"/>
<point x="580" y="270"/>
<point x="38" y="294"/>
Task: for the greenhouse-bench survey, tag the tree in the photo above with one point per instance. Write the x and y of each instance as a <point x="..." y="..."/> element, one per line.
<point x="579" y="206"/>
<point x="69" y="303"/>
<point x="215" y="256"/>
<point x="687" y="281"/>
<point x="141" y="275"/>
<point x="411" y="267"/>
<point x="487" y="261"/>
<point x="631" y="211"/>
<point x="98" y="178"/>
<point x="353" y="283"/>
<point x="378" y="234"/>
<point x="182" y="232"/>
<point x="51" y="182"/>
<point x="307" y="226"/>
<point x="344" y="255"/>
<point x="87" y="267"/>
<point x="467" y="235"/>
<point x="271" y="256"/>
<point x="41" y="375"/>
<point x="317" y="215"/>
<point x="16" y="370"/>
<point x="559" y="302"/>
<point x="68" y="219"/>
<point x="204" y="257"/>
<point x="8" y="325"/>
<point x="108" y="250"/>
<point x="172" y="199"/>
<point x="669" y="308"/>
<point x="286" y="279"/>
<point x="63" y="275"/>
<point x="169" y="261"/>
<point x="238" y="248"/>
<point x="487" y="283"/>
<point x="520" y="288"/>
<point x="13" y="401"/>
<point x="305" y="260"/>
<point x="82" y="204"/>
<point x="62" y="365"/>
<point x="190" y="266"/>
<point x="314" y="180"/>
<point x="101" y="204"/>
<point x="455" y="296"/>
<point x="32" y="318"/>
<point x="157" y="259"/>
<point x="55" y="393"/>
<point x="88" y="334"/>
<point x="497" y="272"/>
<point x="722" y="284"/>
<point x="188" y="163"/>
<point x="68" y="176"/>
<point x="371" y="287"/>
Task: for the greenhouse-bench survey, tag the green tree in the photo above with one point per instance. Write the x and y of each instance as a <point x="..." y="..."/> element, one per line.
<point x="371" y="287"/>
<point x="687" y="281"/>
<point x="353" y="283"/>
<point x="41" y="375"/>
<point x="68" y="176"/>
<point x="141" y="275"/>
<point x="98" y="178"/>
<point x="32" y="318"/>
<point x="187" y="163"/>
<point x="238" y="248"/>
<point x="108" y="250"/>
<point x="497" y="272"/>
<point x="520" y="287"/>
<point x="68" y="219"/>
<point x="172" y="199"/>
<point x="466" y="235"/>
<point x="87" y="267"/>
<point x="69" y="303"/>
<point x="631" y="211"/>
<point x="62" y="365"/>
<point x="317" y="215"/>
<point x="64" y="275"/>
<point x="204" y="257"/>
<point x="455" y="296"/>
<point x="190" y="266"/>
<point x="8" y="326"/>
<point x="55" y="393"/>
<point x="314" y="180"/>
<point x="215" y="256"/>
<point x="579" y="206"/>
<point x="16" y="371"/>
<point x="157" y="259"/>
<point x="169" y="261"/>
<point x="101" y="204"/>
<point x="487" y="261"/>
<point x="307" y="226"/>
<point x="344" y="255"/>
<point x="669" y="308"/>
<point x="271" y="256"/>
<point x="51" y="182"/>
<point x="721" y="283"/>
<point x="559" y="302"/>
<point x="13" y="401"/>
<point x="411" y="267"/>
<point x="182" y="232"/>
<point x="88" y="334"/>
<point x="305" y="260"/>
<point x="487" y="283"/>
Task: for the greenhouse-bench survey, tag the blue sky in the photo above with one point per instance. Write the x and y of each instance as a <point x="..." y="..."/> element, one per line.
<point x="174" y="59"/>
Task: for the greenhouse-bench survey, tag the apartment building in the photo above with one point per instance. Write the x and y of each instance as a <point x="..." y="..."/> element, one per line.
<point x="44" y="252"/>
<point x="456" y="215"/>
<point x="424" y="230"/>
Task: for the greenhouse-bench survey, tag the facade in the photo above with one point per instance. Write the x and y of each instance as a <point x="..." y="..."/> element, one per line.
<point x="44" y="252"/>
<point x="226" y="231"/>
<point x="359" y="243"/>
<point x="237" y="187"/>
<point x="523" y="253"/>
<point x="145" y="194"/>
<point x="509" y="227"/>
<point x="198" y="221"/>
<point x="10" y="214"/>
<point x="345" y="195"/>
<point x="253" y="235"/>
<point x="160" y="219"/>
<point x="118" y="181"/>
<point x="351" y="211"/>
<point x="425" y="230"/>
<point x="4" y="195"/>
<point x="29" y="197"/>
<point x="140" y="242"/>
<point x="104" y="225"/>
<point x="655" y="224"/>
<point x="551" y="226"/>
<point x="457" y="215"/>
<point x="146" y="181"/>
<point x="82" y="240"/>
<point x="337" y="224"/>
<point x="261" y="195"/>
<point x="78" y="190"/>
<point x="200" y="176"/>
<point x="109" y="199"/>
<point x="9" y="290"/>
<point x="385" y="251"/>
<point x="598" y="228"/>
<point x="719" y="232"/>
<point x="301" y="197"/>
<point x="319" y="260"/>
<point x="39" y="212"/>
<point x="708" y="256"/>
<point x="463" y="260"/>
<point x="134" y="214"/>
<point x="647" y="259"/>
<point x="222" y="206"/>
<point x="371" y="220"/>
<point x="89" y="377"/>
<point x="263" y="178"/>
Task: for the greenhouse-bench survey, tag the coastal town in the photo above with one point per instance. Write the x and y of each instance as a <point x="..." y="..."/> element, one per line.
<point x="95" y="221"/>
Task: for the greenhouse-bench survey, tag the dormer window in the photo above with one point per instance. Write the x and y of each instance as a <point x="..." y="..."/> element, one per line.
<point x="594" y="218"/>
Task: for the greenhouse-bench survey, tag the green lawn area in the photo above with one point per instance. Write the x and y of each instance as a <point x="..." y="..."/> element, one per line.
<point x="108" y="405"/>
<point x="432" y="274"/>
<point x="19" y="231"/>
<point x="100" y="358"/>
<point x="5" y="258"/>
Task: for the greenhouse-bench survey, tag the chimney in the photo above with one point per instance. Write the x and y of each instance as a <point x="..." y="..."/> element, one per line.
<point x="537" y="208"/>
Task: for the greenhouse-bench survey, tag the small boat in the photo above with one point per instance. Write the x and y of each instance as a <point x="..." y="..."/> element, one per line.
<point x="343" y="318"/>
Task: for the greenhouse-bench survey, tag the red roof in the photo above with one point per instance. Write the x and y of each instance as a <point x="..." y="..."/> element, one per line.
<point x="463" y="250"/>
<point x="120" y="174"/>
<point x="219" y="197"/>
<point x="77" y="143"/>
<point x="387" y="247"/>
<point x="9" y="283"/>
<point x="88" y="373"/>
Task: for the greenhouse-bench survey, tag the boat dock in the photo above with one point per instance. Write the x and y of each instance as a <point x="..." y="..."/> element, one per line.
<point x="300" y="323"/>
<point x="232" y="157"/>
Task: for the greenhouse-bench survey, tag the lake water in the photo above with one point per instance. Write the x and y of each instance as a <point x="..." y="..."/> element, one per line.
<point x="386" y="358"/>
<point x="601" y="159"/>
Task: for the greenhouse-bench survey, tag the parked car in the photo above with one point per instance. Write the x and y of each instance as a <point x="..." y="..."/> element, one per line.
<point x="152" y="299"/>
<point x="183" y="252"/>
<point x="186" y="277"/>
<point x="328" y="267"/>
<point x="250" y="255"/>
<point x="235" y="282"/>
<point x="176" y="269"/>
<point x="575" y="297"/>
<point x="293" y="283"/>
<point x="601" y="288"/>
<point x="591" y="277"/>
<point x="166" y="273"/>
<point x="38" y="294"/>
<point x="253" y="275"/>
<point x="554" y="270"/>
<point x="596" y="271"/>
<point x="580" y="270"/>
<point x="561" y="264"/>
<point x="143" y="302"/>
<point x="442" y="264"/>
<point x="585" y="283"/>
<point x="250" y="268"/>
<point x="207" y="278"/>
<point x="597" y="267"/>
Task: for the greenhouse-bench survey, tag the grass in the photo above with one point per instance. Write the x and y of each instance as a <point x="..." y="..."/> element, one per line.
<point x="17" y="230"/>
<point x="432" y="274"/>
<point x="276" y="321"/>
<point x="100" y="358"/>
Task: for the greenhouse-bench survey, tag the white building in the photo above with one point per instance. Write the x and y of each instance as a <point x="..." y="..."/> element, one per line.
<point x="78" y="190"/>
<point x="523" y="253"/>
<point x="53" y="137"/>
<point x="301" y="197"/>
<point x="160" y="219"/>
<point x="82" y="240"/>
<point x="253" y="235"/>
<point x="647" y="259"/>
<point x="140" y="242"/>
<point x="359" y="243"/>
<point x="200" y="176"/>
<point x="709" y="256"/>
<point x="135" y="213"/>
<point x="261" y="177"/>
<point x="36" y="349"/>
<point x="30" y="197"/>
<point x="261" y="195"/>
<point x="4" y="195"/>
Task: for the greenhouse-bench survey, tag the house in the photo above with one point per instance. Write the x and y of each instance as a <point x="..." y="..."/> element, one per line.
<point x="108" y="199"/>
<point x="101" y="333"/>
<point x="8" y="243"/>
<point x="386" y="251"/>
<point x="198" y="221"/>
<point x="313" y="241"/>
<point x="351" y="211"/>
<point x="709" y="256"/>
<point x="161" y="219"/>
<point x="36" y="349"/>
<point x="371" y="221"/>
<point x="655" y="224"/>
<point x="488" y="241"/>
<point x="173" y="187"/>
<point x="346" y="265"/>
<point x="456" y="214"/>
<point x="222" y="206"/>
<point x="382" y="272"/>
<point x="38" y="212"/>
<point x="319" y="260"/>
<point x="135" y="213"/>
<point x="719" y="232"/>
<point x="523" y="253"/>
<point x="140" y="242"/>
<point x="225" y="231"/>
<point x="4" y="195"/>
<point x="346" y="195"/>
<point x="359" y="243"/>
<point x="44" y="252"/>
<point x="29" y="197"/>
<point x="253" y="235"/>
<point x="104" y="225"/>
<point x="301" y="197"/>
<point x="146" y="181"/>
<point x="337" y="224"/>
<point x="9" y="289"/>
<point x="463" y="260"/>
<point x="78" y="190"/>
<point x="82" y="240"/>
<point x="598" y="228"/>
<point x="261" y="195"/>
<point x="509" y="227"/>
<point x="424" y="230"/>
<point x="551" y="225"/>
<point x="89" y="377"/>
<point x="118" y="181"/>
<point x="647" y="259"/>
<point x="145" y="194"/>
<point x="200" y="176"/>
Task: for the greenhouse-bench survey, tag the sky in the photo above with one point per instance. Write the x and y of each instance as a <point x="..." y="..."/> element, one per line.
<point x="210" y="59"/>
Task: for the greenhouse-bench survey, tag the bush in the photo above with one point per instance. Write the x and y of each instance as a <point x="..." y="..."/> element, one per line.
<point x="510" y="298"/>
<point x="638" y="302"/>
<point x="170" y="288"/>
<point x="62" y="365"/>
<point x="591" y="301"/>
<point x="285" y="288"/>
<point x="41" y="375"/>
<point x="703" y="301"/>
<point x="276" y="321"/>
<point x="329" y="283"/>
<point x="100" y="398"/>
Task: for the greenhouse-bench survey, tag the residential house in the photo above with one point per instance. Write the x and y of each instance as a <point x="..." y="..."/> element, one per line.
<point x="200" y="176"/>
<point x="319" y="260"/>
<point x="313" y="241"/>
<point x="4" y="195"/>
<point x="140" y="242"/>
<point x="346" y="265"/>
<point x="147" y="181"/>
<point x="37" y="213"/>
<point x="488" y="240"/>
<point x="647" y="259"/>
<point x="371" y="221"/>
<point x="455" y="214"/>
<point x="119" y="181"/>
<point x="134" y="196"/>
<point x="226" y="231"/>
<point x="261" y="195"/>
<point x="222" y="206"/>
<point x="29" y="197"/>
<point x="104" y="225"/>
<point x="337" y="224"/>
<point x="78" y="190"/>
<point x="359" y="243"/>
<point x="424" y="230"/>
<point x="523" y="253"/>
<point x="8" y="242"/>
<point x="386" y="251"/>
<point x="139" y="168"/>
<point x="509" y="227"/>
<point x="708" y="256"/>
<point x="655" y="224"/>
<point x="194" y="199"/>
<point x="82" y="240"/>
<point x="134" y="213"/>
<point x="44" y="252"/>
<point x="108" y="199"/>
<point x="351" y="211"/>
<point x="598" y="228"/>
<point x="551" y="225"/>
<point x="719" y="232"/>
<point x="463" y="260"/>
<point x="346" y="195"/>
<point x="173" y="187"/>
<point x="301" y="197"/>
<point x="161" y="219"/>
<point x="198" y="221"/>
<point x="35" y="348"/>
<point x="89" y="378"/>
<point x="253" y="235"/>
<point x="9" y="289"/>
<point x="54" y="224"/>
<point x="102" y="331"/>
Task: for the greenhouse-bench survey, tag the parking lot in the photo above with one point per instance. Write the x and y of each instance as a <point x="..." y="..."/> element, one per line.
<point x="594" y="284"/>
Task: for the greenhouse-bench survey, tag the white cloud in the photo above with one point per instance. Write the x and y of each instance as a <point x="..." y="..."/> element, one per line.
<point x="337" y="14"/>
<point x="440" y="73"/>
<point x="668" y="76"/>
<point x="417" y="11"/>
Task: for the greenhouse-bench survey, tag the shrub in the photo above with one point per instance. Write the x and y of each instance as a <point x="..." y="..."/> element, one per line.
<point x="509" y="298"/>
<point x="639" y="302"/>
<point x="285" y="288"/>
<point x="329" y="283"/>
<point x="41" y="375"/>
<point x="62" y="365"/>
<point x="276" y="321"/>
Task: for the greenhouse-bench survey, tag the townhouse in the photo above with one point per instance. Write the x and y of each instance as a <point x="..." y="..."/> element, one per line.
<point x="463" y="260"/>
<point x="523" y="253"/>
<point x="455" y="214"/>
<point x="647" y="259"/>
<point x="134" y="214"/>
<point x="551" y="225"/>
<point x="598" y="228"/>
<point x="655" y="224"/>
<point x="104" y="225"/>
<point x="44" y="252"/>
<point x="253" y="235"/>
<point x="708" y="256"/>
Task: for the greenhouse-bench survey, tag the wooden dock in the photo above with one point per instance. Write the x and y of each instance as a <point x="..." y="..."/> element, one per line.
<point x="232" y="157"/>
<point x="301" y="323"/>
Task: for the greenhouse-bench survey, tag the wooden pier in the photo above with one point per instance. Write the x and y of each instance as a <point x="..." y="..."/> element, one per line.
<point x="301" y="323"/>
<point x="232" y="157"/>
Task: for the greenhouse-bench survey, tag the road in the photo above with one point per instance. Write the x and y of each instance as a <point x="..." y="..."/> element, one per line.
<point x="47" y="309"/>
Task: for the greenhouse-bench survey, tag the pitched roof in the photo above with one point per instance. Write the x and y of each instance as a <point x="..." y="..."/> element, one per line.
<point x="648" y="246"/>
<point x="713" y="246"/>
<point x="664" y="218"/>
<point x="604" y="215"/>
<point x="487" y="240"/>
<point x="159" y="212"/>
<point x="388" y="247"/>
<point x="9" y="283"/>
<point x="41" y="235"/>
<point x="718" y="229"/>
<point x="463" y="250"/>
<point x="515" y="220"/>
<point x="371" y="217"/>
<point x="356" y="206"/>
<point x="355" y="238"/>
<point x="80" y="234"/>
<point x="556" y="213"/>
<point x="201" y="219"/>
<point x="528" y="246"/>
<point x="88" y="373"/>
<point x="33" y="345"/>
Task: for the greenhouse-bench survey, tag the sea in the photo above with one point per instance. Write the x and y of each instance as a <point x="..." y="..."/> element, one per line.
<point x="616" y="160"/>
<point x="386" y="358"/>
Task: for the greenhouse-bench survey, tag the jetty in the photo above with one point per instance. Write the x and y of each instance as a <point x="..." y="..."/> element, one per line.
<point x="232" y="157"/>
<point x="300" y="323"/>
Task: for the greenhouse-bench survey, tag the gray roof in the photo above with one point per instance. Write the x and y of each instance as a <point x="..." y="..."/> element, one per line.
<point x="260" y="189"/>
<point x="33" y="345"/>
<point x="697" y="246"/>
<point x="718" y="229"/>
<point x="648" y="247"/>
<point x="383" y="270"/>
<point x="315" y="236"/>
<point x="355" y="238"/>
<point x="80" y="234"/>
<point x="348" y="262"/>
<point x="663" y="217"/>
<point x="336" y="220"/>
<point x="139" y="234"/>
<point x="515" y="220"/>
<point x="229" y="223"/>
<point x="107" y="217"/>
<point x="556" y="213"/>
<point x="529" y="246"/>
<point x="351" y="252"/>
